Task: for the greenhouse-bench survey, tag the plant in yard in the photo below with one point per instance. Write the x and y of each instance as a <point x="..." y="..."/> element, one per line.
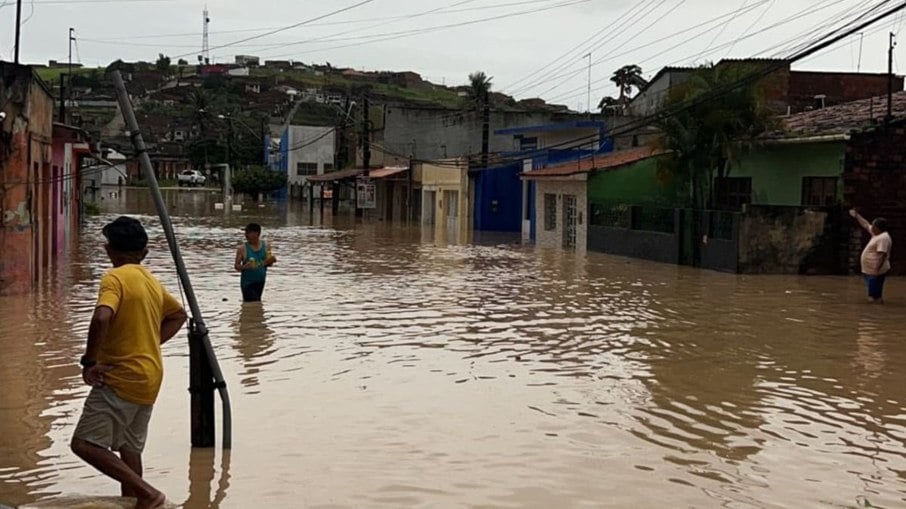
<point x="257" y="179"/>
<point x="626" y="78"/>
<point x="708" y="122"/>
<point x="479" y="88"/>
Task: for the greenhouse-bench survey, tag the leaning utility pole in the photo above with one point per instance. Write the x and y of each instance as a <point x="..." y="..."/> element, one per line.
<point x="204" y="371"/>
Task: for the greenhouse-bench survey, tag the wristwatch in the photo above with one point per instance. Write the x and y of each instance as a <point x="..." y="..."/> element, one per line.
<point x="86" y="362"/>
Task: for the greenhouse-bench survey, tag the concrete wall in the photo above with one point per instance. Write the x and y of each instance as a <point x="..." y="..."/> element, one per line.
<point x="875" y="182"/>
<point x="634" y="184"/>
<point x="315" y="145"/>
<point x="777" y="170"/>
<point x="25" y="171"/>
<point x="789" y="240"/>
<point x="555" y="238"/>
<point x="431" y="133"/>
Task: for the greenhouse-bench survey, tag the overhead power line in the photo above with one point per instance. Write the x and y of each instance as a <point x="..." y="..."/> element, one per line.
<point x="285" y="28"/>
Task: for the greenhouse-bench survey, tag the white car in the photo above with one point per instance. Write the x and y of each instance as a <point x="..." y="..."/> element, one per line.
<point x="191" y="178"/>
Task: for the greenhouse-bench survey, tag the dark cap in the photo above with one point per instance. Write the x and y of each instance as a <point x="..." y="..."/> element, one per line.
<point x="126" y="234"/>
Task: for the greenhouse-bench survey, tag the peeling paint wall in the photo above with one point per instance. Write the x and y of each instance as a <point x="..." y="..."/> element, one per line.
<point x="25" y="155"/>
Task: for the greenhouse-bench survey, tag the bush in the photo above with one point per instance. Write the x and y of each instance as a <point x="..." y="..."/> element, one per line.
<point x="257" y="179"/>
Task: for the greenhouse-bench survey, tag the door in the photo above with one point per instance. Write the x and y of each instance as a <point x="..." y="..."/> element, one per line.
<point x="451" y="208"/>
<point x="430" y="207"/>
<point x="569" y="221"/>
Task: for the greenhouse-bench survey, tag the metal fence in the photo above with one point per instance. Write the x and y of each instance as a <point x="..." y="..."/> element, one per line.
<point x="614" y="216"/>
<point x="653" y="219"/>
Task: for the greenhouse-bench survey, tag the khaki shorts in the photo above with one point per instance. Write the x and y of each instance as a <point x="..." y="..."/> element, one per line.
<point x="113" y="423"/>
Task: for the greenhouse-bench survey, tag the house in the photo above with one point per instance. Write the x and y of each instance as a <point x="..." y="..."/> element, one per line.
<point x="397" y="193"/>
<point x="239" y="71"/>
<point x="303" y="152"/>
<point x="781" y="207"/>
<point x="502" y="201"/>
<point x="71" y="150"/>
<point x="561" y="193"/>
<point x="25" y="176"/>
<point x="446" y="202"/>
<point x="785" y="90"/>
<point x="247" y="61"/>
<point x="279" y="65"/>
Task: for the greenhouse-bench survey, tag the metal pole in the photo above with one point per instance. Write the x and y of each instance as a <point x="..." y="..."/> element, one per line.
<point x="198" y="328"/>
<point x="69" y="72"/>
<point x="588" y="104"/>
<point x="890" y="77"/>
<point x="18" y="28"/>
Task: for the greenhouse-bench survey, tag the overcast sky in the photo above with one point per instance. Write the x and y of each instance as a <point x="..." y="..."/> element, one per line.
<point x="543" y="40"/>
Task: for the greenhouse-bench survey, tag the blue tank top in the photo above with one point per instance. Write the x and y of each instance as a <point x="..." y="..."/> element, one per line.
<point x="256" y="258"/>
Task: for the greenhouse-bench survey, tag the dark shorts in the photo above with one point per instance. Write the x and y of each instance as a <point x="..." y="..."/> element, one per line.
<point x="875" y="286"/>
<point x="252" y="292"/>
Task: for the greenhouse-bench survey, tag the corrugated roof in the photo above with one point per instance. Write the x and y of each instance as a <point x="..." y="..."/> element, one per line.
<point x="386" y="172"/>
<point x="842" y="118"/>
<point x="598" y="162"/>
<point x="335" y="175"/>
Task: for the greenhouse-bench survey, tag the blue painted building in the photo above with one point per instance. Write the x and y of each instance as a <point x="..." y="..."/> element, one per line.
<point x="503" y="202"/>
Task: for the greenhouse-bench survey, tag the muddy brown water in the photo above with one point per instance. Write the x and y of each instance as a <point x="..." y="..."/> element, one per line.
<point x="389" y="367"/>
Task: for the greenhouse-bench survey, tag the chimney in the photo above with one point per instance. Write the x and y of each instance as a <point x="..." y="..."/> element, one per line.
<point x="819" y="101"/>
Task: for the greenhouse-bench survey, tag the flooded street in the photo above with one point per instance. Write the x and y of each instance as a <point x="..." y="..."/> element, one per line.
<point x="389" y="368"/>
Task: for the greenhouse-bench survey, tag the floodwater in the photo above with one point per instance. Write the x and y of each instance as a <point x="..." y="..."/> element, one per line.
<point x="388" y="367"/>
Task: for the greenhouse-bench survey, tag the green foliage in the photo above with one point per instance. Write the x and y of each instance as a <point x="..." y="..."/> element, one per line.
<point x="163" y="63"/>
<point x="257" y="179"/>
<point x="92" y="208"/>
<point x="479" y="88"/>
<point x="707" y="137"/>
<point x="625" y="78"/>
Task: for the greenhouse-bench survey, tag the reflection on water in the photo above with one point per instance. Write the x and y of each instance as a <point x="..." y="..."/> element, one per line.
<point x="389" y="366"/>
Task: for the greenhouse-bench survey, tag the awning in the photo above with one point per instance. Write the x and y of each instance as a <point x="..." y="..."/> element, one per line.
<point x="386" y="172"/>
<point x="335" y="176"/>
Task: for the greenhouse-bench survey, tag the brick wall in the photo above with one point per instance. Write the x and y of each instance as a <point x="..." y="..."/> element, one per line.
<point x="838" y="87"/>
<point x="875" y="182"/>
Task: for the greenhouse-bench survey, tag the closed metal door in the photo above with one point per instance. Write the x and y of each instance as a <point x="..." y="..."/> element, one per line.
<point x="569" y="221"/>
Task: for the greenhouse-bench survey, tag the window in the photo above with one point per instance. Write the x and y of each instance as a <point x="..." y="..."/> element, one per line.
<point x="306" y="169"/>
<point x="528" y="143"/>
<point x="732" y="193"/>
<point x="819" y="191"/>
<point x="328" y="167"/>
<point x="550" y="212"/>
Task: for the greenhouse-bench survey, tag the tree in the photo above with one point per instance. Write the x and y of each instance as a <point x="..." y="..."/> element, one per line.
<point x="163" y="63"/>
<point x="257" y="179"/>
<point x="708" y="122"/>
<point x="182" y="61"/>
<point x="626" y="78"/>
<point x="608" y="102"/>
<point x="479" y="88"/>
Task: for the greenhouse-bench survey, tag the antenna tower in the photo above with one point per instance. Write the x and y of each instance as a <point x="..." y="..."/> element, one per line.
<point x="205" y="56"/>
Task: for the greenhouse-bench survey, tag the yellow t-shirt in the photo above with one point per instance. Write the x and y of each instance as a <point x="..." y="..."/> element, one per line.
<point x="132" y="345"/>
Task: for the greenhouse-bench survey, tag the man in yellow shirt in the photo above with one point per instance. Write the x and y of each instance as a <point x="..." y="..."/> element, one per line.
<point x="134" y="316"/>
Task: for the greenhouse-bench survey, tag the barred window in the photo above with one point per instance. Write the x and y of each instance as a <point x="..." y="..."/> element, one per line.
<point x="550" y="212"/>
<point x="305" y="169"/>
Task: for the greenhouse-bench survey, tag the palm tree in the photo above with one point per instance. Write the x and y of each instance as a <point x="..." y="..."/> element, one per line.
<point x="607" y="103"/>
<point x="707" y="137"/>
<point x="626" y="78"/>
<point x="479" y="88"/>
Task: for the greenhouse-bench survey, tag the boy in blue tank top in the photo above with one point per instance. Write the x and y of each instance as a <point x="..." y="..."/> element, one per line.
<point x="252" y="260"/>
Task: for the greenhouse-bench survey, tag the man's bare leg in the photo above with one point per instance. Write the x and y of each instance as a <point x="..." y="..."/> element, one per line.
<point x="112" y="466"/>
<point x="133" y="460"/>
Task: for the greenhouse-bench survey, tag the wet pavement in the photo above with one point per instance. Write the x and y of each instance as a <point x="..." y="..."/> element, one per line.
<point x="390" y="367"/>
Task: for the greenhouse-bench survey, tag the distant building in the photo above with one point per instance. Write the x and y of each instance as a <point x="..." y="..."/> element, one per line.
<point x="247" y="61"/>
<point x="280" y="65"/>
<point x="302" y="151"/>
<point x="786" y="91"/>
